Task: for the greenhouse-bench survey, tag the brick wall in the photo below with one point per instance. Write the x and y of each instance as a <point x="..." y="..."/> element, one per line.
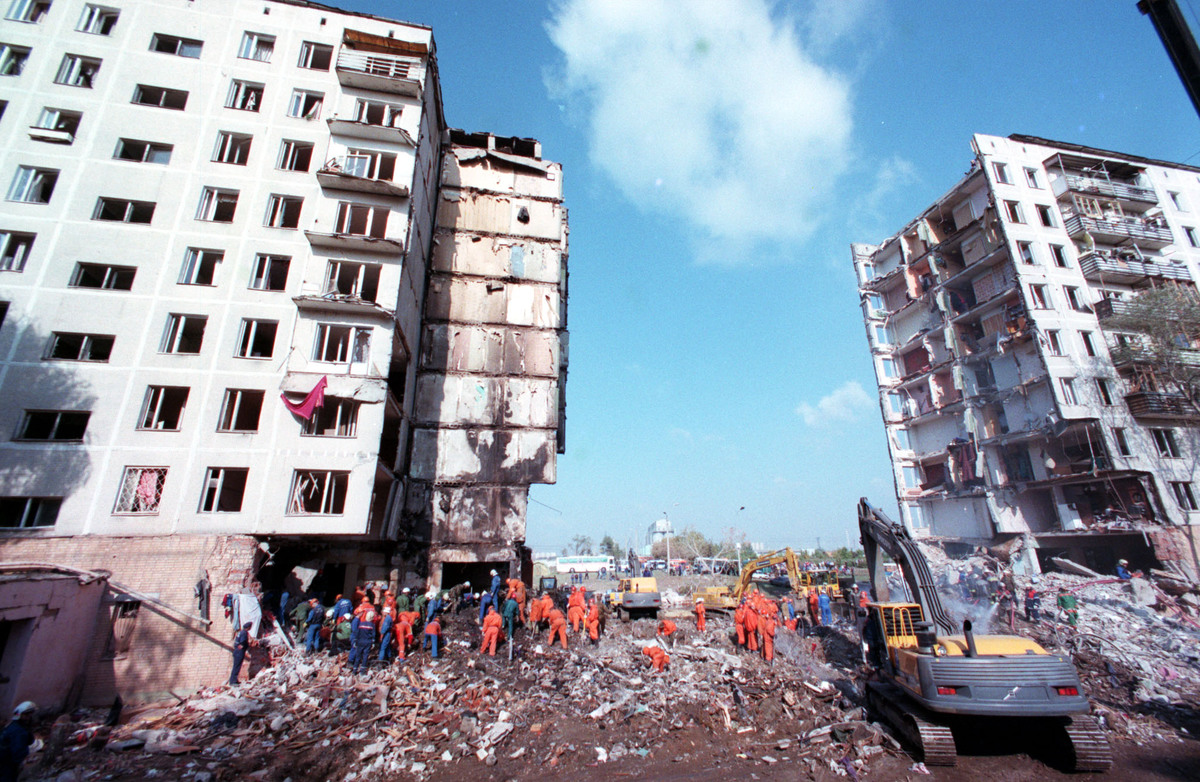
<point x="1178" y="545"/>
<point x="168" y="652"/>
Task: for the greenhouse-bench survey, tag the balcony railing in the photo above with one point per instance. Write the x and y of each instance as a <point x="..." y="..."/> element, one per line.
<point x="383" y="72"/>
<point x="1104" y="187"/>
<point x="1117" y="229"/>
<point x="1104" y="267"/>
<point x="1107" y="308"/>
<point x="1134" y="354"/>
<point x="358" y="174"/>
<point x="1145" y="404"/>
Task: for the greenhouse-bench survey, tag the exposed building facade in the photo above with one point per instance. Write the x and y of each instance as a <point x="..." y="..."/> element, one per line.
<point x="216" y="348"/>
<point x="1011" y="408"/>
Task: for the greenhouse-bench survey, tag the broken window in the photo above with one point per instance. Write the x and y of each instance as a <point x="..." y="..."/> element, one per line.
<point x="60" y="425"/>
<point x="163" y="408"/>
<point x="1176" y="201"/>
<point x="241" y="410"/>
<point x="33" y="185"/>
<point x="283" y="211"/>
<point x="104" y="276"/>
<point x="1190" y="233"/>
<point x="123" y="211"/>
<point x="22" y="512"/>
<point x="200" y="266"/>
<point x="12" y="59"/>
<point x="224" y="488"/>
<point x="59" y="120"/>
<point x="1067" y="386"/>
<point x="339" y="344"/>
<point x="1089" y="343"/>
<point x="98" y="20"/>
<point x="172" y="44"/>
<point x="1164" y="441"/>
<point x="123" y="622"/>
<point x="163" y="97"/>
<point x="295" y="155"/>
<point x="1031" y="178"/>
<point x="257" y="339"/>
<point x="269" y="272"/>
<point x="232" y="148"/>
<point x="369" y="164"/>
<point x="1045" y="215"/>
<point x="256" y="46"/>
<point x="244" y="96"/>
<point x="183" y="334"/>
<point x="306" y="104"/>
<point x="336" y="418"/>
<point x="217" y="206"/>
<point x="319" y="492"/>
<point x="315" y="56"/>
<point x="77" y="71"/>
<point x="361" y="220"/>
<point x="1037" y="292"/>
<point x="1184" y="495"/>
<point x="1026" y="250"/>
<point x="80" y="347"/>
<point x="1001" y="170"/>
<point x="1074" y="299"/>
<point x="32" y="11"/>
<point x="1053" y="344"/>
<point x="141" y="490"/>
<point x="376" y="113"/>
<point x="143" y="151"/>
<point x="347" y="278"/>
<point x="1121" y="440"/>
<point x="1059" y="253"/>
<point x="14" y="250"/>
<point x="1013" y="210"/>
<point x="1104" y="387"/>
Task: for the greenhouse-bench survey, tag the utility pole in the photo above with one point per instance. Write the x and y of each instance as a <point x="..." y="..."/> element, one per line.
<point x="1179" y="42"/>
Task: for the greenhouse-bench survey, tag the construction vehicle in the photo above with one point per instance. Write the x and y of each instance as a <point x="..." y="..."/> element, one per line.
<point x="721" y="598"/>
<point x="934" y="679"/>
<point x="636" y="597"/>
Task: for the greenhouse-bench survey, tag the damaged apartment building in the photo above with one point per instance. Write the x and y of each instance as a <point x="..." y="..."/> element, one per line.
<point x="1014" y="412"/>
<point x="266" y="324"/>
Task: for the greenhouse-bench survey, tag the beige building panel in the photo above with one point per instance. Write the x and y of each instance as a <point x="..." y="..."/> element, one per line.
<point x="503" y="178"/>
<point x="500" y="215"/>
<point x="493" y="256"/>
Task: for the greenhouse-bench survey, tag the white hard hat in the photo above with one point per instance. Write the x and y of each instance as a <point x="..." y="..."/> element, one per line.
<point x="699" y="600"/>
<point x="1122" y="561"/>
<point x="27" y="707"/>
<point x="370" y="617"/>
<point x="404" y="591"/>
<point x="493" y="572"/>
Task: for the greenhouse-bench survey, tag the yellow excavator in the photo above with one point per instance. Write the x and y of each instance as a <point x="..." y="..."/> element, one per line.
<point x="934" y="677"/>
<point x="721" y="598"/>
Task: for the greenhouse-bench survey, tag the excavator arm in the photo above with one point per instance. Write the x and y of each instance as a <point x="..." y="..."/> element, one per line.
<point x="782" y="557"/>
<point x="881" y="535"/>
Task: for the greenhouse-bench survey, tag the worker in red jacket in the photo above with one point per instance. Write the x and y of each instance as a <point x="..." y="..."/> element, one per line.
<point x="558" y="627"/>
<point x="404" y="634"/>
<point x="768" y="635"/>
<point x="699" y="612"/>
<point x="658" y="657"/>
<point x="814" y="607"/>
<point x="592" y="622"/>
<point x="666" y="631"/>
<point x="433" y="634"/>
<point x="750" y="622"/>
<point x="739" y="623"/>
<point x="575" y="609"/>
<point x="491" y="632"/>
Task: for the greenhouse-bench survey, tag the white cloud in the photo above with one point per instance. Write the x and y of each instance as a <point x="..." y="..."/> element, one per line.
<point x="842" y="404"/>
<point x="712" y="111"/>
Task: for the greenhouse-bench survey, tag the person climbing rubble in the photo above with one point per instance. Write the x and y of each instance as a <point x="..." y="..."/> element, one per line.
<point x="1069" y="606"/>
<point x="491" y="632"/>
<point x="658" y="657"/>
<point x="535" y="612"/>
<point x="510" y="612"/>
<point x="404" y="633"/>
<point x="699" y="612"/>
<point x="558" y="627"/>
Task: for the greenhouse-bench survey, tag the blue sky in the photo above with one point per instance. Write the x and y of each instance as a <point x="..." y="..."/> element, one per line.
<point x="719" y="158"/>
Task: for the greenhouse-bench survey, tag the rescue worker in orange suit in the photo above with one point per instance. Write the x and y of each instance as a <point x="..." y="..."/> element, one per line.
<point x="814" y="607"/>
<point x="491" y="632"/>
<point x="666" y="631"/>
<point x="575" y="609"/>
<point x="699" y="612"/>
<point x="658" y="658"/>
<point x="863" y="599"/>
<point x="592" y="622"/>
<point x="516" y="591"/>
<point x="739" y="624"/>
<point x="404" y="635"/>
<point x="558" y="627"/>
<point x="547" y="607"/>
<point x="364" y="606"/>
<point x="768" y="634"/>
<point x="535" y="612"/>
<point x="789" y="611"/>
<point x="433" y="634"/>
<point x="750" y="621"/>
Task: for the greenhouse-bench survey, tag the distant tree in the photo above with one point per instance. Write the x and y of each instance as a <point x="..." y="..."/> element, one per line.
<point x="611" y="547"/>
<point x="582" y="545"/>
<point x="1165" y="325"/>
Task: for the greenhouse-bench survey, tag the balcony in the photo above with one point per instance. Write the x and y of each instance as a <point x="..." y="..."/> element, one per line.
<point x="339" y="304"/>
<point x="1130" y="355"/>
<point x="1118" y="229"/>
<point x="380" y="72"/>
<point x="342" y="173"/>
<point x="1107" y="308"/>
<point x="1103" y="267"/>
<point x="1145" y="404"/>
<point x="369" y="131"/>
<point x="341" y="242"/>
<point x="1103" y="187"/>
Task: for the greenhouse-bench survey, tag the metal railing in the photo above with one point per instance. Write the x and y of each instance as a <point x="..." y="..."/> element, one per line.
<point x="1132" y="227"/>
<point x="382" y="65"/>
<point x="1095" y="265"/>
<point x="1152" y="405"/>
<point x="1112" y="189"/>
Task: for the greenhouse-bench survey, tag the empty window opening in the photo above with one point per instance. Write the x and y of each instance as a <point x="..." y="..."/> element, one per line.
<point x="123" y="211"/>
<point x="369" y="164"/>
<point x="270" y="272"/>
<point x="241" y="410"/>
<point x="1074" y="298"/>
<point x="60" y="120"/>
<point x="257" y="339"/>
<point x="123" y="623"/>
<point x="315" y="56"/>
<point x="1164" y="441"/>
<point x="361" y="220"/>
<point x="1067" y="385"/>
<point x="376" y="113"/>
<point x="232" y="148"/>
<point x="1031" y="178"/>
<point x="295" y="155"/>
<point x="98" y="20"/>
<point x="100" y="275"/>
<point x="256" y="46"/>
<point x="1184" y="495"/>
<point x="1122" y="441"/>
<point x="1059" y="253"/>
<point x="23" y="512"/>
<point x="337" y="418"/>
<point x="14" y="250"/>
<point x="1045" y="215"/>
<point x="61" y="425"/>
<point x="80" y="347"/>
<point x="244" y="96"/>
<point x="1053" y="344"/>
<point x="32" y="11"/>
<point x="224" y="488"/>
<point x="319" y="492"/>
<point x="183" y="334"/>
<point x="1190" y="234"/>
<point x="1001" y="173"/>
<point x="162" y="97"/>
<point x="1037" y="293"/>
<point x="217" y="206"/>
<point x="77" y="71"/>
<point x="171" y="44"/>
<point x="1026" y="250"/>
<point x="33" y="185"/>
<point x="348" y="278"/>
<point x="200" y="266"/>
<point x="12" y="59"/>
<point x="163" y="408"/>
<point x="1089" y="343"/>
<point x="340" y="344"/>
<point x="283" y="211"/>
<point x="306" y="104"/>
<point x="143" y="151"/>
<point x="141" y="490"/>
<point x="1013" y="209"/>
<point x="1104" y="387"/>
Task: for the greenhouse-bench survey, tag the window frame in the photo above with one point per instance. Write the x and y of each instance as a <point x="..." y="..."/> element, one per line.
<point x="1000" y="171"/>
<point x="1031" y="178"/>
<point x="1053" y="342"/>
<point x="130" y="501"/>
<point x="112" y="279"/>
<point x="130" y="208"/>
<point x="337" y="418"/>
<point x="1066" y="386"/>
<point x="248" y="337"/>
<point x="291" y="152"/>
<point x="334" y="487"/>
<point x="167" y="97"/>
<point x="232" y="406"/>
<point x="1106" y="391"/>
<point x="59" y="120"/>
<point x="352" y="351"/>
<point x="35" y="509"/>
<point x="1089" y="344"/>
<point x="195" y="261"/>
<point x="307" y="51"/>
<point x="31" y="11"/>
<point x="213" y="202"/>
<point x="78" y="70"/>
<point x="89" y="344"/>
<point x="160" y="406"/>
<point x="263" y="270"/>
<point x="232" y="148"/>
<point x="97" y="16"/>
<point x="1185" y="497"/>
<point x="1121" y="439"/>
<point x="245" y="95"/>
<point x="300" y="99"/>
<point x="1045" y="214"/>
<point x="30" y="183"/>
<point x="179" y="45"/>
<point x="283" y="211"/>
<point x="150" y="151"/>
<point x="13" y="59"/>
<point x="57" y="424"/>
<point x="344" y="219"/>
<point x="179" y="330"/>
<point x="1014" y="212"/>
<point x="1039" y="294"/>
<point x="252" y="46"/>
<point x="15" y="249"/>
<point x="1165" y="443"/>
<point x="215" y="482"/>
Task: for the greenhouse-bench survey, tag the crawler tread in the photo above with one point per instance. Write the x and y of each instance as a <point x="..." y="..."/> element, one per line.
<point x="1090" y="745"/>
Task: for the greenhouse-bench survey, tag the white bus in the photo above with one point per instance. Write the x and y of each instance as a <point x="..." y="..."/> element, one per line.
<point x="585" y="564"/>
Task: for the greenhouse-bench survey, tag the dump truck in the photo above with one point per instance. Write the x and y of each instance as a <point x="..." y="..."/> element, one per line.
<point x="935" y="678"/>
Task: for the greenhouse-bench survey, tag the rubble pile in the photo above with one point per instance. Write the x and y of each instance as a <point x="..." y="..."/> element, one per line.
<point x="307" y="718"/>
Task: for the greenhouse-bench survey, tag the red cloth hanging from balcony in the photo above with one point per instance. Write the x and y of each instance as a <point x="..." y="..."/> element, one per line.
<point x="315" y="399"/>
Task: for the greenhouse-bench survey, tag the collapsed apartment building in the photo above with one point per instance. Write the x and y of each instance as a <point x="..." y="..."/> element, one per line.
<point x="1013" y="410"/>
<point x="267" y="324"/>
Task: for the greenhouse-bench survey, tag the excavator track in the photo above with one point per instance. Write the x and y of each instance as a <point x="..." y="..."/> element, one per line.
<point x="1092" y="752"/>
<point x="934" y="742"/>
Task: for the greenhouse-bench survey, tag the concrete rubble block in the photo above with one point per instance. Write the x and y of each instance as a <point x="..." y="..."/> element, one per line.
<point x="1142" y="592"/>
